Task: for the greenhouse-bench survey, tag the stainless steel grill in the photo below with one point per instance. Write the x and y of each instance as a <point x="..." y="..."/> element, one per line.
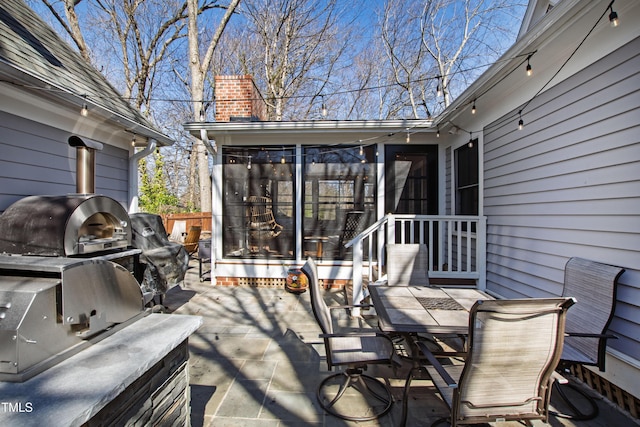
<point x="69" y="275"/>
<point x="63" y="280"/>
<point x="66" y="273"/>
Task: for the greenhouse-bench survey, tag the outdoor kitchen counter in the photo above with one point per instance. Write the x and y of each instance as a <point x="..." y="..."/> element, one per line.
<point x="75" y="390"/>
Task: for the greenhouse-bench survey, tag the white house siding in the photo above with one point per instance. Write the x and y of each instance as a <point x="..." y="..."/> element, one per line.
<point x="36" y="159"/>
<point x="568" y="184"/>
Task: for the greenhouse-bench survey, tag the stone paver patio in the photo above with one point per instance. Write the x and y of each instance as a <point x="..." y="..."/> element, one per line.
<point x="257" y="361"/>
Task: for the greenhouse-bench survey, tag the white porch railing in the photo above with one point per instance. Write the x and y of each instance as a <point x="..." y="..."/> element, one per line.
<point x="457" y="247"/>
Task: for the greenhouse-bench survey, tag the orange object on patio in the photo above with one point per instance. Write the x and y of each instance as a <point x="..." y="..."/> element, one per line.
<point x="296" y="281"/>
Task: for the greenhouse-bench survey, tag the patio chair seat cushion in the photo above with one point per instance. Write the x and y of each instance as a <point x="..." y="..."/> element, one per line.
<point x="360" y="349"/>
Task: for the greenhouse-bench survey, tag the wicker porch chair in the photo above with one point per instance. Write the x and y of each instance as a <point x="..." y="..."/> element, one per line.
<point x="354" y="224"/>
<point x="514" y="347"/>
<point x="262" y="223"/>
<point x="354" y="351"/>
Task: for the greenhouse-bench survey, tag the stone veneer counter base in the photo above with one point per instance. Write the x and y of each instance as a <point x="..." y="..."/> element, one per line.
<point x="129" y="367"/>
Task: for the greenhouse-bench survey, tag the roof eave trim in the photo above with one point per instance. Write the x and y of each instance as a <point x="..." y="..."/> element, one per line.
<point x="500" y="69"/>
<point x="30" y="80"/>
<point x="309" y="126"/>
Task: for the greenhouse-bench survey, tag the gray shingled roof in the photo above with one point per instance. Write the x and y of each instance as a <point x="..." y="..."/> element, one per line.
<point x="33" y="55"/>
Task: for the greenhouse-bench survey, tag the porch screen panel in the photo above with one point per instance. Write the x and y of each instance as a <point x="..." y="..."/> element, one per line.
<point x="337" y="180"/>
<point x="258" y="214"/>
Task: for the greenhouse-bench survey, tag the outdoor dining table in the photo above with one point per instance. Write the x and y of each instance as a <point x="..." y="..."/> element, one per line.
<point x="424" y="309"/>
<point x="411" y="310"/>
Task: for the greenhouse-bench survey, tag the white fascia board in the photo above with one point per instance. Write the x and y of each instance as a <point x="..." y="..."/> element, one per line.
<point x="216" y="129"/>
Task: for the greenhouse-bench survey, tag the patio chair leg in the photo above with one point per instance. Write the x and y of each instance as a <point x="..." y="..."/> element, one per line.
<point x="405" y="397"/>
<point x="361" y="380"/>
<point x="577" y="413"/>
<point x="352" y="377"/>
<point x="343" y="387"/>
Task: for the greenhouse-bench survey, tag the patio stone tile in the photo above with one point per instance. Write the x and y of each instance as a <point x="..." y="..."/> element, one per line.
<point x="292" y="407"/>
<point x="257" y="370"/>
<point x="244" y="399"/>
<point x="290" y="347"/>
<point x="297" y="377"/>
<point x="210" y="379"/>
<point x="240" y="422"/>
<point x="230" y="346"/>
<point x="216" y="372"/>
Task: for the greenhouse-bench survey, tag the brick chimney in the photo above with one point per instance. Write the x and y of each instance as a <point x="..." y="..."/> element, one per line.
<point x="238" y="98"/>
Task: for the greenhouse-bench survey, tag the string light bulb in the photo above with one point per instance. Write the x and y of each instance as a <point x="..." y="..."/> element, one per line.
<point x="437" y="132"/>
<point x="529" y="68"/>
<point x="439" y="88"/>
<point x="470" y="144"/>
<point x="520" y="122"/>
<point x="133" y="140"/>
<point x="473" y="108"/>
<point x="84" y="112"/>
<point x="408" y="136"/>
<point x="613" y="16"/>
<point x="361" y="150"/>
<point x="249" y="163"/>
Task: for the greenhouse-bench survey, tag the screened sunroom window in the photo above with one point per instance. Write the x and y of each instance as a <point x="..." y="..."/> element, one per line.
<point x="339" y="188"/>
<point x="258" y="215"/>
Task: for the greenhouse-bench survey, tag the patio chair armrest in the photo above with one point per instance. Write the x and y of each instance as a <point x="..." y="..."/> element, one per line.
<point x="587" y="335"/>
<point x="436" y="364"/>
<point x="353" y="334"/>
<point x="556" y="376"/>
<point x="332" y="307"/>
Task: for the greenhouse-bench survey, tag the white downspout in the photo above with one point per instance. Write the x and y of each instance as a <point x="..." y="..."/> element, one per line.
<point x="133" y="174"/>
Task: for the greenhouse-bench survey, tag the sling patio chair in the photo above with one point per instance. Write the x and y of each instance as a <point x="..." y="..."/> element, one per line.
<point x="513" y="349"/>
<point x="407" y="264"/>
<point x="354" y="351"/>
<point x="594" y="287"/>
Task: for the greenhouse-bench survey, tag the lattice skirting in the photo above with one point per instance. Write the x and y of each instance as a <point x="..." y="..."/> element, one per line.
<point x="267" y="282"/>
<point x="616" y="395"/>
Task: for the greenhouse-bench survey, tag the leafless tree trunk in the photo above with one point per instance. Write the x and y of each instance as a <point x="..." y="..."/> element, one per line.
<point x="145" y="30"/>
<point x="71" y="25"/>
<point x="443" y="43"/>
<point x="302" y="42"/>
<point x="198" y="67"/>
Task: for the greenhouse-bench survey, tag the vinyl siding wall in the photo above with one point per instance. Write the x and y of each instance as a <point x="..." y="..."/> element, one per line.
<point x="568" y="185"/>
<point x="36" y="159"/>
